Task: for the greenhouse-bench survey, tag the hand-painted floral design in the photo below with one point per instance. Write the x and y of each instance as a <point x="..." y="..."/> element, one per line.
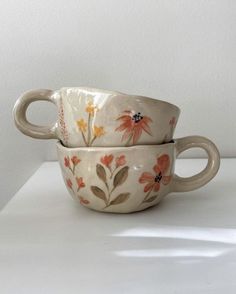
<point x="153" y="181"/>
<point x="69" y="183"/>
<point x="62" y="123"/>
<point x="80" y="183"/>
<point x="133" y="124"/>
<point x="71" y="163"/>
<point x="83" y="200"/>
<point x="75" y="160"/>
<point x="107" y="160"/>
<point x="89" y="131"/>
<point x="172" y="124"/>
<point x="120" y="160"/>
<point x="112" y="173"/>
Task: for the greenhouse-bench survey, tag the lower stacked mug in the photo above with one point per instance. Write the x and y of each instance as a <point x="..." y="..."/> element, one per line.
<point x="129" y="179"/>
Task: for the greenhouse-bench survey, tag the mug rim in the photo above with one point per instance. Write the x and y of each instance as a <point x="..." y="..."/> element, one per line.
<point x="92" y="89"/>
<point x="60" y="146"/>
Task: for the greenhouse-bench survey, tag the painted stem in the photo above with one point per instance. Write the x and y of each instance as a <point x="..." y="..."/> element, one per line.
<point x="128" y="141"/>
<point x="94" y="138"/>
<point x="146" y="197"/>
<point x="89" y="129"/>
<point x="112" y="172"/>
<point x="86" y="143"/>
<point x="73" y="171"/>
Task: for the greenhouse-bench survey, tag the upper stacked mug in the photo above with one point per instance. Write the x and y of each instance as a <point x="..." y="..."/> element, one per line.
<point x="100" y="118"/>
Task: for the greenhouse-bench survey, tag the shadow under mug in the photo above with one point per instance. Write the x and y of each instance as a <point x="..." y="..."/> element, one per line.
<point x="129" y="179"/>
<point x="94" y="117"/>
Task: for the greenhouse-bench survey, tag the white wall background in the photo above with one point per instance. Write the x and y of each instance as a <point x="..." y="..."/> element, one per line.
<point x="183" y="51"/>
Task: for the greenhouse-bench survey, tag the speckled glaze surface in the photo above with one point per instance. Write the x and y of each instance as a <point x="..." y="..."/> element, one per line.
<point x="94" y="117"/>
<point x="128" y="179"/>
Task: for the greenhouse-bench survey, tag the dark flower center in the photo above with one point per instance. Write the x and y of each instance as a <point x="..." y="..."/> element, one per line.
<point x="137" y="117"/>
<point x="158" y="178"/>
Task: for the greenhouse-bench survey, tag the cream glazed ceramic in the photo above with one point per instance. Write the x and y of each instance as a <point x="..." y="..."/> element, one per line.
<point x="93" y="117"/>
<point x="128" y="179"/>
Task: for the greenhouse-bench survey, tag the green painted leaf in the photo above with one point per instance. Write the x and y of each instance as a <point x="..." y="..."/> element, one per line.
<point x="121" y="176"/>
<point x="101" y="172"/>
<point x="98" y="192"/>
<point x="120" y="198"/>
<point x="150" y="199"/>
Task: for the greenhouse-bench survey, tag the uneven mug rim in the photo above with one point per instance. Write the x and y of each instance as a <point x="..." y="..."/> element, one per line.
<point x="92" y="89"/>
<point x="60" y="146"/>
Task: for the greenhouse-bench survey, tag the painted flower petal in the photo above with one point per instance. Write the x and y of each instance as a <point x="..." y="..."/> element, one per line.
<point x="124" y="117"/>
<point x="67" y="161"/>
<point x="75" y="160"/>
<point x="147" y="119"/>
<point x="163" y="163"/>
<point x="137" y="133"/>
<point x="156" y="169"/>
<point x="120" y="160"/>
<point x="146" y="129"/>
<point x="146" y="178"/>
<point x="156" y="187"/>
<point x="149" y="187"/>
<point x="127" y="134"/>
<point x="107" y="159"/>
<point x="83" y="201"/>
<point x="125" y="125"/>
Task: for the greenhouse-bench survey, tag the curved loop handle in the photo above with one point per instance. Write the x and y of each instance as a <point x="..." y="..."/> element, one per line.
<point x="20" y="109"/>
<point x="181" y="184"/>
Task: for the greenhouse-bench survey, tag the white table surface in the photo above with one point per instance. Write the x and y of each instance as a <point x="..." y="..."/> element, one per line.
<point x="187" y="244"/>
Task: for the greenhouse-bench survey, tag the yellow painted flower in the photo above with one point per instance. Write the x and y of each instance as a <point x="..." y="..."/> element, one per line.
<point x="82" y="125"/>
<point x="98" y="131"/>
<point x="91" y="108"/>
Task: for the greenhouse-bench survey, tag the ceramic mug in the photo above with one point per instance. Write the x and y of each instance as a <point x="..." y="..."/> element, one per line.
<point x="128" y="179"/>
<point x="93" y="117"/>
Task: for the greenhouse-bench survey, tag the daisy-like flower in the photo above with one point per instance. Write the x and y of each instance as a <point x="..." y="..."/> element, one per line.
<point x="98" y="131"/>
<point x="153" y="181"/>
<point x="75" y="160"/>
<point x="120" y="160"/>
<point x="133" y="124"/>
<point x="107" y="160"/>
<point x="82" y="125"/>
<point x="69" y="183"/>
<point x="91" y="108"/>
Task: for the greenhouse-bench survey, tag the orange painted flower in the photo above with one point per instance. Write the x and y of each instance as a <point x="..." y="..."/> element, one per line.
<point x="67" y="161"/>
<point x="98" y="131"/>
<point x="107" y="160"/>
<point x="133" y="124"/>
<point x="69" y="183"/>
<point x="120" y="160"/>
<point x="83" y="201"/>
<point x="80" y="182"/>
<point x="75" y="160"/>
<point x="82" y="125"/>
<point x="91" y="108"/>
<point x="153" y="182"/>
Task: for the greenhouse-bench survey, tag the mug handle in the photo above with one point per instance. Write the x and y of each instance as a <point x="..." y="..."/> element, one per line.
<point x="21" y="122"/>
<point x="184" y="184"/>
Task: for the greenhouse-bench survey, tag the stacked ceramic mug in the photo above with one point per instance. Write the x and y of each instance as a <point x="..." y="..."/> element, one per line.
<point x="116" y="151"/>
